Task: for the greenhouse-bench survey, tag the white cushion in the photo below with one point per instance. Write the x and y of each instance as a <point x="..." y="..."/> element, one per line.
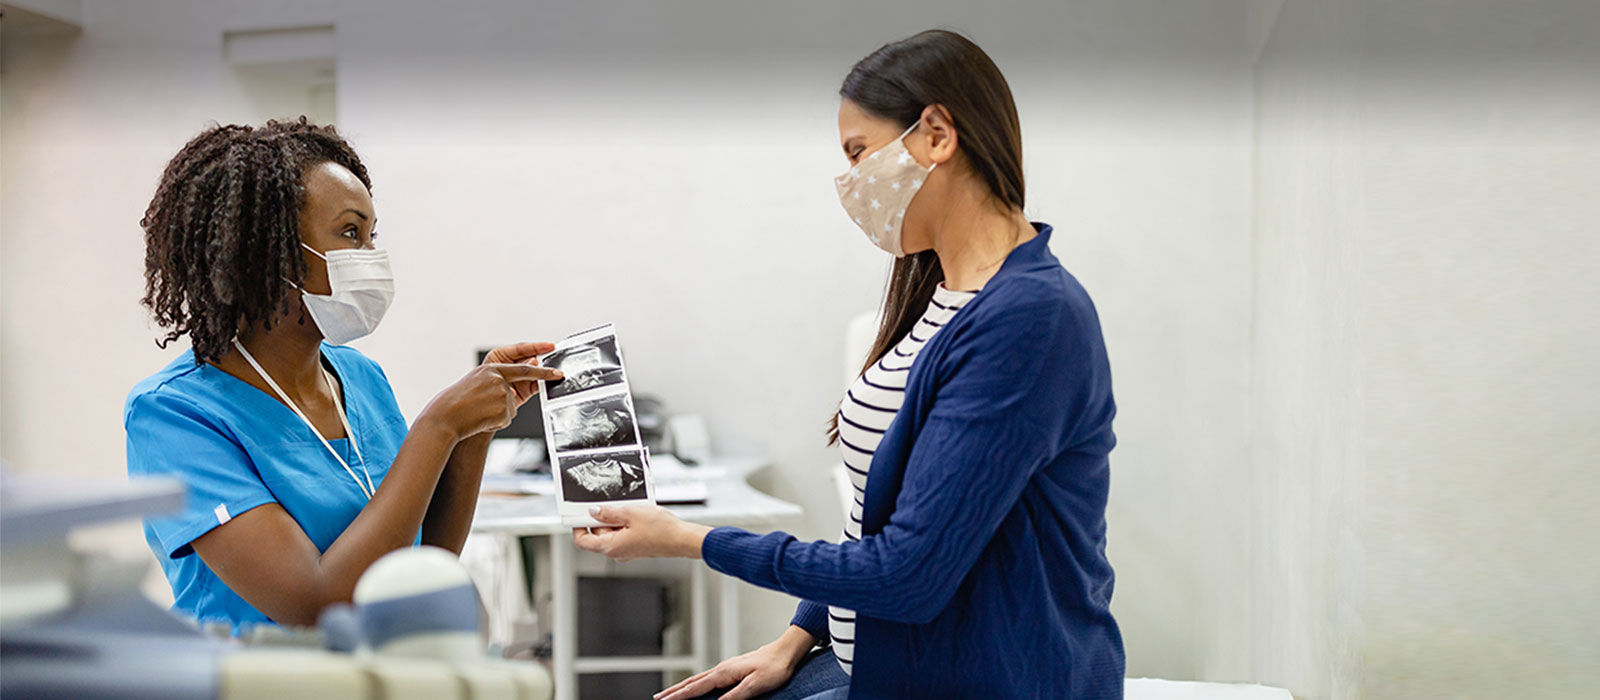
<point x="1157" y="689"/>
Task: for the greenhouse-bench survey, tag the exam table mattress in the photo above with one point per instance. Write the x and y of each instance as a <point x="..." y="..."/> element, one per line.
<point x="1157" y="689"/>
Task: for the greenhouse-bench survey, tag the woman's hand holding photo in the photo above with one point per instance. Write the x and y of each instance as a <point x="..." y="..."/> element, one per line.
<point x="639" y="532"/>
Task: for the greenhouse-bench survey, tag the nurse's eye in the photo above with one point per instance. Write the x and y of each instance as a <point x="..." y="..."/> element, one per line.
<point x="352" y="234"/>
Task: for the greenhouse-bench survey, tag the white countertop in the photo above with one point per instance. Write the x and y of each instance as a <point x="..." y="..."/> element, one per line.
<point x="729" y="501"/>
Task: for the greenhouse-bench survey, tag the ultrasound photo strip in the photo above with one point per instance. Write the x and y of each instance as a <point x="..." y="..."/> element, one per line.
<point x="592" y="428"/>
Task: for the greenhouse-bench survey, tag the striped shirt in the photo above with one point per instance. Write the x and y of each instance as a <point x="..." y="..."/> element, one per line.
<point x="864" y="414"/>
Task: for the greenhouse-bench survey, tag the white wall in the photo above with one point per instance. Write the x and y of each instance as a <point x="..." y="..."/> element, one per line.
<point x="1483" y="388"/>
<point x="667" y="166"/>
<point x="1424" y="376"/>
<point x="1302" y="590"/>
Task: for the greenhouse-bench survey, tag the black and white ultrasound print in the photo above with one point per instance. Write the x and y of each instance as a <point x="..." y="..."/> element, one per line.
<point x="598" y="477"/>
<point x="605" y="421"/>
<point x="585" y="366"/>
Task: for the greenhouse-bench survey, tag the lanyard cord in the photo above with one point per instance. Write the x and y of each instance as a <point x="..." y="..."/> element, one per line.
<point x="367" y="488"/>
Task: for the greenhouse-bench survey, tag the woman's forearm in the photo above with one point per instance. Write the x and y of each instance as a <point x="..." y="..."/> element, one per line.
<point x="794" y="644"/>
<point x="455" y="499"/>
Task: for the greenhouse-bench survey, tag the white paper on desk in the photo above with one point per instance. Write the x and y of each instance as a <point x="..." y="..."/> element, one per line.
<point x="524" y="484"/>
<point x="591" y="428"/>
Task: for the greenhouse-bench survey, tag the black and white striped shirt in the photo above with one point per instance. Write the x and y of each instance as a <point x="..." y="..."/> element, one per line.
<point x="864" y="414"/>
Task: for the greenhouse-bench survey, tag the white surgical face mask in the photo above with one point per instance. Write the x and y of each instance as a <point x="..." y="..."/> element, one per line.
<point x="362" y="288"/>
<point x="878" y="190"/>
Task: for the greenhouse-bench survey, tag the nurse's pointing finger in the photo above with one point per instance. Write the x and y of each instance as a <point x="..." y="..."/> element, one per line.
<point x="525" y="351"/>
<point x="518" y="352"/>
<point x="526" y="373"/>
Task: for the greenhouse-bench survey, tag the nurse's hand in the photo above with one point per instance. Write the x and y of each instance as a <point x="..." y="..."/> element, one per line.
<point x="485" y="400"/>
<point x="520" y="353"/>
<point x="638" y="532"/>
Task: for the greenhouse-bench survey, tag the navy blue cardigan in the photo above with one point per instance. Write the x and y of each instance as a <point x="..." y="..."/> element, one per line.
<point x="982" y="571"/>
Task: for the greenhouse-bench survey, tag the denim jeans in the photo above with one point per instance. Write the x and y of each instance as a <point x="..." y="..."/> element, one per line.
<point x="818" y="678"/>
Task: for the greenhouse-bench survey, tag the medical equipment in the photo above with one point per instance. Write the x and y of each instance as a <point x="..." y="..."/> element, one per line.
<point x="76" y="626"/>
<point x="419" y="603"/>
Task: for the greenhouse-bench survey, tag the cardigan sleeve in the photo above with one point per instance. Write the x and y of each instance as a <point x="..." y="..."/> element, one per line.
<point x="812" y="617"/>
<point x="1011" y="384"/>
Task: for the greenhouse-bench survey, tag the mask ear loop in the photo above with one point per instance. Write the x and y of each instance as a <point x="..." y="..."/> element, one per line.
<point x="907" y="132"/>
<point x="314" y="251"/>
<point x="304" y="311"/>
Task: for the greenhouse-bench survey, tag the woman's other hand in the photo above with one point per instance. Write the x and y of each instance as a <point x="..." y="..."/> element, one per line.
<point x="752" y="674"/>
<point x="637" y="532"/>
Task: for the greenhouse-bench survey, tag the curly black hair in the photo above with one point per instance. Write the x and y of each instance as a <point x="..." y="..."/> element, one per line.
<point x="222" y="234"/>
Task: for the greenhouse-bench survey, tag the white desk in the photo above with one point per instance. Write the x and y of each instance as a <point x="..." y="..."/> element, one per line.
<point x="729" y="501"/>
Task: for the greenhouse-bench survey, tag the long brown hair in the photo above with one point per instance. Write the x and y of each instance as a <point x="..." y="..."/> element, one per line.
<point x="897" y="82"/>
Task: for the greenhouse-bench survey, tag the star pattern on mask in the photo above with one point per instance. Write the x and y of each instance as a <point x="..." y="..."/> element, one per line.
<point x="880" y="210"/>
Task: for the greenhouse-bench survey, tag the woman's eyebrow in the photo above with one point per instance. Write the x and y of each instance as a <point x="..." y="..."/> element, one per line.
<point x="355" y="211"/>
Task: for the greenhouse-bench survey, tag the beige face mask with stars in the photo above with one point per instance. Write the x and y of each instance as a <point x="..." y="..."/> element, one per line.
<point x="877" y="191"/>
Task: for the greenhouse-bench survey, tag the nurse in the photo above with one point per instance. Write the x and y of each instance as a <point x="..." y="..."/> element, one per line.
<point x="972" y="563"/>
<point x="300" y="469"/>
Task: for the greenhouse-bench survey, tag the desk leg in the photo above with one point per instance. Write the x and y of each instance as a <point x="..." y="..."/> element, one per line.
<point x="728" y="621"/>
<point x="564" y="608"/>
<point x="700" y="617"/>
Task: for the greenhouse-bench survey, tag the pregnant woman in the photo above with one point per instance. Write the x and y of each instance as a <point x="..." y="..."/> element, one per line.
<point x="972" y="563"/>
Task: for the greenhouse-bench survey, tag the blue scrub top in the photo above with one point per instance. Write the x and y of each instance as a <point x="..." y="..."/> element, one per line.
<point x="236" y="447"/>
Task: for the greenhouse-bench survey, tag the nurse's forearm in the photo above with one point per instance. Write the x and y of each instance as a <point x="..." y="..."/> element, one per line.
<point x="455" y="499"/>
<point x="264" y="556"/>
<point x="393" y="517"/>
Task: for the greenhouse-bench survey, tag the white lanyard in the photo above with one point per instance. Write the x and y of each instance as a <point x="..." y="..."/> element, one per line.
<point x="366" y="488"/>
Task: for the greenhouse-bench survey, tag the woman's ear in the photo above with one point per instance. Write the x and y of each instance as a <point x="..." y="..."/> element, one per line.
<point x="941" y="130"/>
